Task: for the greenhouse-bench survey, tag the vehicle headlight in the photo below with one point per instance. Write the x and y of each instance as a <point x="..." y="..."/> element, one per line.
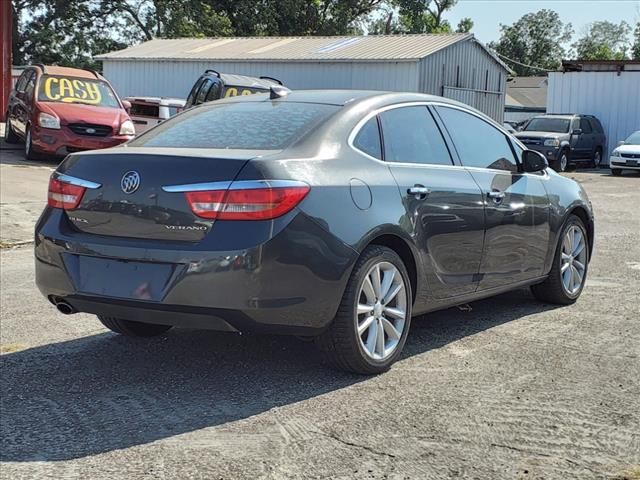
<point x="552" y="142"/>
<point x="127" y="128"/>
<point x="48" y="121"/>
<point x="615" y="153"/>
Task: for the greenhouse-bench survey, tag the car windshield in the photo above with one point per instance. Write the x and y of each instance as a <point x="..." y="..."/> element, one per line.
<point x="54" y="88"/>
<point x="545" y="124"/>
<point x="634" y="139"/>
<point x="238" y="125"/>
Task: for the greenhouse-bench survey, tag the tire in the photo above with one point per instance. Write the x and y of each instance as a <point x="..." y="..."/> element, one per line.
<point x="562" y="163"/>
<point x="131" y="328"/>
<point x="343" y="346"/>
<point x="597" y="158"/>
<point x="616" y="172"/>
<point x="9" y="135"/>
<point x="554" y="289"/>
<point x="29" y="152"/>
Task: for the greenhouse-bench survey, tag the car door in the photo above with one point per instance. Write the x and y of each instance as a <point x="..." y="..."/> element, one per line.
<point x="443" y="204"/>
<point x="19" y="113"/>
<point x="587" y="139"/>
<point x="516" y="205"/>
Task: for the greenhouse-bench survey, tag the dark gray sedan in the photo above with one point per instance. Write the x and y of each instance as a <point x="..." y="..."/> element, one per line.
<point x="337" y="215"/>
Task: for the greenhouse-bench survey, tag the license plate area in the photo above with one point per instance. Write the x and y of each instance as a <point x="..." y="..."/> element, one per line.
<point x="132" y="280"/>
<point x="632" y="163"/>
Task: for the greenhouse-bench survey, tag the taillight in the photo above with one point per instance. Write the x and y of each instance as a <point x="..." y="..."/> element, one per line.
<point x="64" y="195"/>
<point x="249" y="203"/>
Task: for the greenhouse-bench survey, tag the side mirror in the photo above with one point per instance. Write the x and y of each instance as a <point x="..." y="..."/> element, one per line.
<point x="533" y="161"/>
<point x="127" y="105"/>
<point x="577" y="131"/>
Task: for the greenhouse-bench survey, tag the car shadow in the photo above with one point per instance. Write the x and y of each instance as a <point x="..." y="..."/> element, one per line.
<point x="106" y="392"/>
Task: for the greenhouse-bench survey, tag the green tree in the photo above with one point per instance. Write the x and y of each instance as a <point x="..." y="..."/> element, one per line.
<point x="416" y="16"/>
<point x="604" y="41"/>
<point x="465" y="25"/>
<point x="635" y="50"/>
<point x="72" y="32"/>
<point x="534" y="43"/>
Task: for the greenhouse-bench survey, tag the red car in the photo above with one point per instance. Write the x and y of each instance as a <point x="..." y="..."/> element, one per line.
<point x="59" y="110"/>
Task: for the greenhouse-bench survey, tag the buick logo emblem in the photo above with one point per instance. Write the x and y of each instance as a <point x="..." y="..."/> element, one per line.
<point x="91" y="130"/>
<point x="130" y="182"/>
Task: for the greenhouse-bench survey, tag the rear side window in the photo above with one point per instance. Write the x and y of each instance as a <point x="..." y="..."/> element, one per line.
<point x="214" y="92"/>
<point x="411" y="135"/>
<point x="204" y="90"/>
<point x="595" y="125"/>
<point x="478" y="143"/>
<point x="585" y="126"/>
<point x="238" y="125"/>
<point x="368" y="139"/>
<point x="144" y="110"/>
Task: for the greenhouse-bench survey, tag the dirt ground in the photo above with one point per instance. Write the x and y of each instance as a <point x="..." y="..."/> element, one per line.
<point x="513" y="389"/>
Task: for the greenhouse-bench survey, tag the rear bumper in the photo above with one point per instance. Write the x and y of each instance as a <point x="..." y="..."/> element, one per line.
<point x="63" y="141"/>
<point x="551" y="153"/>
<point x="290" y="284"/>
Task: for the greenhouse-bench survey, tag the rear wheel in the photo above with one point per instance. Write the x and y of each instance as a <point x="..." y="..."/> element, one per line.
<point x="597" y="158"/>
<point x="568" y="274"/>
<point x="131" y="328"/>
<point x="9" y="135"/>
<point x="370" y="329"/>
<point x="616" y="171"/>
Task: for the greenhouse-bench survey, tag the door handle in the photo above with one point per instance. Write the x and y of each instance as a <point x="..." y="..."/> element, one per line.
<point x="496" y="195"/>
<point x="418" y="190"/>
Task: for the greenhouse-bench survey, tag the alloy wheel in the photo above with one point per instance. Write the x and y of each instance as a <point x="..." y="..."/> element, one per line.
<point x="597" y="158"/>
<point x="382" y="311"/>
<point x="563" y="162"/>
<point x="573" y="260"/>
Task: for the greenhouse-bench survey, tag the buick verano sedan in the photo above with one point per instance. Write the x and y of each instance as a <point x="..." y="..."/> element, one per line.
<point x="337" y="215"/>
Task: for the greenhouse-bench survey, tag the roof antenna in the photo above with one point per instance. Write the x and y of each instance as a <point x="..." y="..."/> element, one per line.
<point x="278" y="91"/>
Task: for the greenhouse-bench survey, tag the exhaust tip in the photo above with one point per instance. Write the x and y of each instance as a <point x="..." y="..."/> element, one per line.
<point x="63" y="307"/>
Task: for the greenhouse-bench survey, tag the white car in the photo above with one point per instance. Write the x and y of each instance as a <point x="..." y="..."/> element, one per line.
<point x="147" y="112"/>
<point x="627" y="155"/>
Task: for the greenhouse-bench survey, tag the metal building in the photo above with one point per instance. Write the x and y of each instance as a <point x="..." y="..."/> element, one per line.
<point x="610" y="90"/>
<point x="452" y="65"/>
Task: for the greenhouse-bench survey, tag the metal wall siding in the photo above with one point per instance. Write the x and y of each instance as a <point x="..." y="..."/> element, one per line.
<point x="465" y="65"/>
<point x="613" y="98"/>
<point x="175" y="79"/>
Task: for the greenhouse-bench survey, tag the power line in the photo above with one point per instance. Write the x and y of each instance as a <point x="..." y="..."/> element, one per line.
<point x="533" y="67"/>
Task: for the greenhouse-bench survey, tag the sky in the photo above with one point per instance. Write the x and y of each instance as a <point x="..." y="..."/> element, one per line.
<point x="489" y="14"/>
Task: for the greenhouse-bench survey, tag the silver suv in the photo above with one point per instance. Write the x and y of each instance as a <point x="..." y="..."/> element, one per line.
<point x="566" y="139"/>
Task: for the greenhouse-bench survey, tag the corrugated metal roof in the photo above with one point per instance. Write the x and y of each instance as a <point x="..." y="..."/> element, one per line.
<point x="347" y="48"/>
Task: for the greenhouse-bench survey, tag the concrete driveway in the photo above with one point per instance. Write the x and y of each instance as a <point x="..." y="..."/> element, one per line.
<point x="512" y="389"/>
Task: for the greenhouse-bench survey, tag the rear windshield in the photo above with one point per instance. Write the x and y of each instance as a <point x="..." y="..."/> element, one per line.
<point x="555" y="125"/>
<point x="55" y="88"/>
<point x="239" y="125"/>
<point x="144" y="110"/>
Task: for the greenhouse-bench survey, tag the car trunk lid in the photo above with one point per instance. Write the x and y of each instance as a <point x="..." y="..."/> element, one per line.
<point x="130" y="200"/>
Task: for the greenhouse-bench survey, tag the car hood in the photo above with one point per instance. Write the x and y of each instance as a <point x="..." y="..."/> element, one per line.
<point x="628" y="149"/>
<point x="78" y="113"/>
<point x="534" y="134"/>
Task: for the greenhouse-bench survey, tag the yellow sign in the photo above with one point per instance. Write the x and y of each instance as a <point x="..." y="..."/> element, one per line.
<point x="235" y="91"/>
<point x="60" y="89"/>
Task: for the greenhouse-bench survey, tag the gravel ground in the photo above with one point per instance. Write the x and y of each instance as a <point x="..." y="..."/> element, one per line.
<point x="513" y="389"/>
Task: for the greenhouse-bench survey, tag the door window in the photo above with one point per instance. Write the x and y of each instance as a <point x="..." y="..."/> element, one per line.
<point x="368" y="139"/>
<point x="411" y="135"/>
<point x="214" y="92"/>
<point x="191" y="99"/>
<point x="478" y="143"/>
<point x="30" y="86"/>
<point x="22" y="81"/>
